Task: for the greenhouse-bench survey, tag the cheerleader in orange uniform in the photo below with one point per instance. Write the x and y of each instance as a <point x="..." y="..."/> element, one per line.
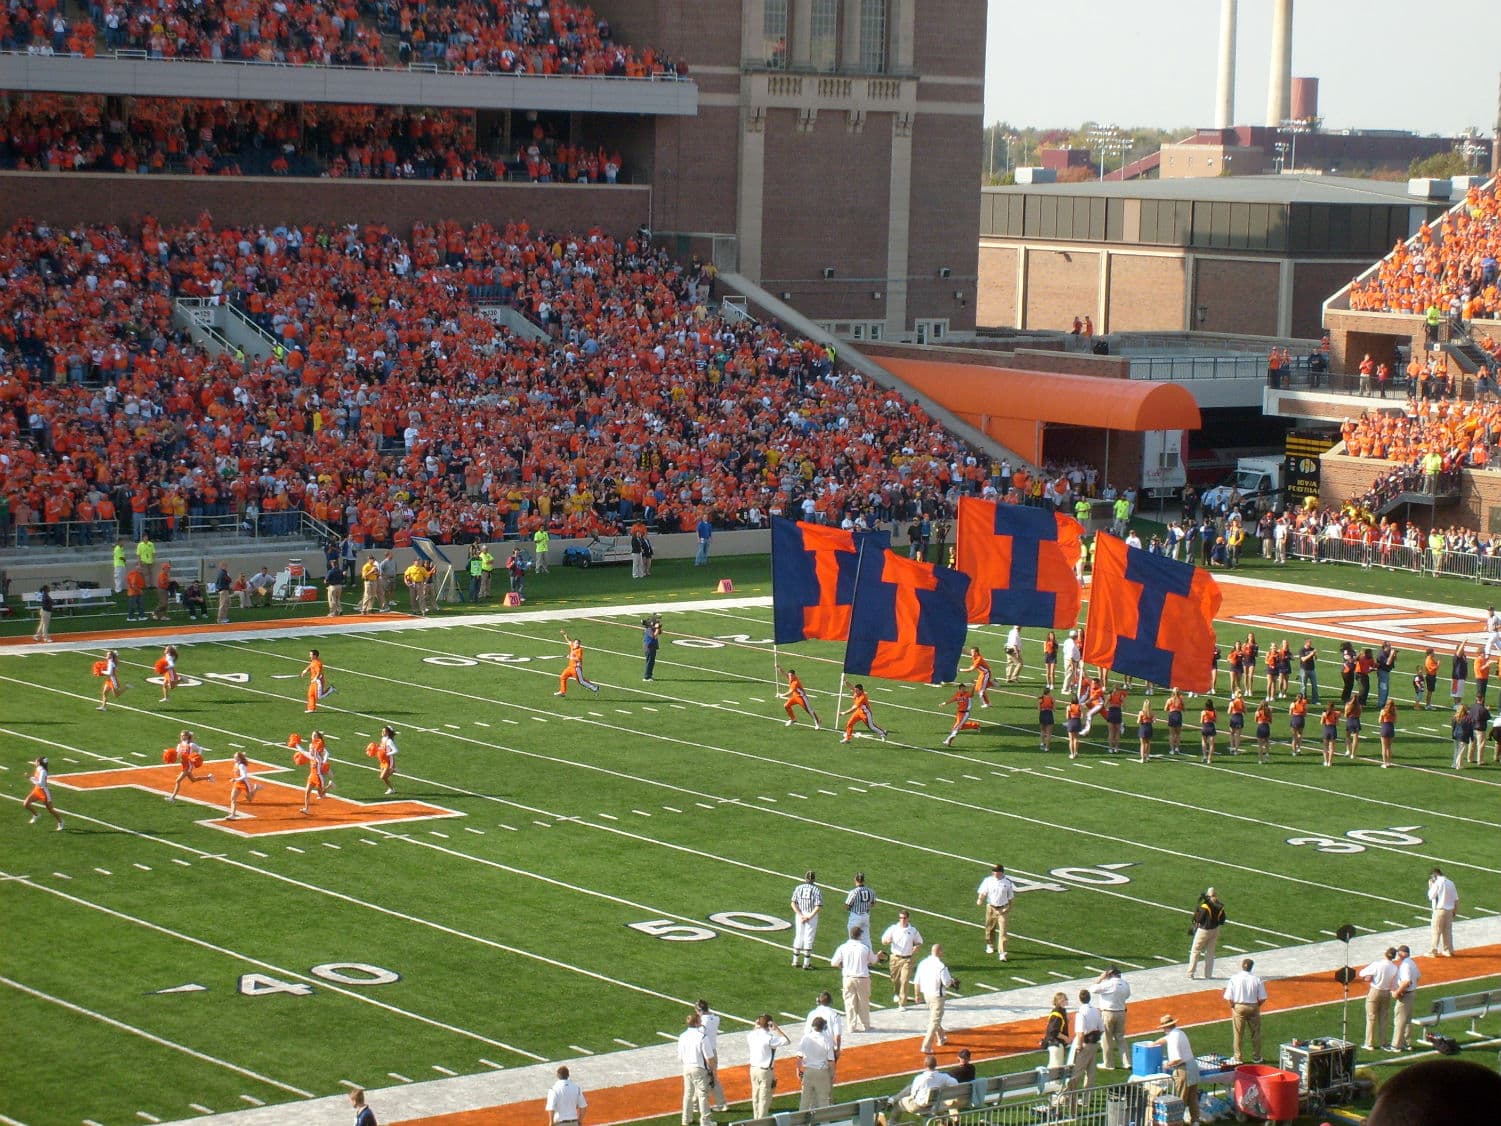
<point x="1050" y="659"/>
<point x="1297" y="720"/>
<point x="1093" y="699"/>
<point x="1352" y="726"/>
<point x="1073" y="724"/>
<point x="859" y="712"/>
<point x="1045" y="705"/>
<point x="575" y="667"/>
<point x="983" y="678"/>
<point x="1331" y="732"/>
<point x="963" y="701"/>
<point x="188" y="756"/>
<point x="109" y="670"/>
<point x="1237" y="720"/>
<point x="1387" y="729"/>
<point x="1145" y="721"/>
<point x="1207" y="731"/>
<point x="796" y="696"/>
<point x="386" y="753"/>
<point x="316" y="757"/>
<point x="1174" y="721"/>
<point x="41" y="793"/>
<point x="241" y="786"/>
<point x="1264" y="731"/>
<point x="166" y="668"/>
<point x="1115" y="702"/>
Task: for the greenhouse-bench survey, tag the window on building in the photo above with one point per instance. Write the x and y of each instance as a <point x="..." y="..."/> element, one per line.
<point x="823" y="35"/>
<point x="873" y="36"/>
<point x="774" y="34"/>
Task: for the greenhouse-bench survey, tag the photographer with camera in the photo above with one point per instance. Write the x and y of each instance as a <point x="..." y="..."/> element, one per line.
<point x="763" y="1041"/>
<point x="651" y="641"/>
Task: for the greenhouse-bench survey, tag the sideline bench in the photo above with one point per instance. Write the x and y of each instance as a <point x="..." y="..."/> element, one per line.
<point x="86" y="598"/>
<point x="1462" y="1006"/>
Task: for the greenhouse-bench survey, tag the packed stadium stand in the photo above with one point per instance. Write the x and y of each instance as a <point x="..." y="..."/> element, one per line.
<point x="393" y="406"/>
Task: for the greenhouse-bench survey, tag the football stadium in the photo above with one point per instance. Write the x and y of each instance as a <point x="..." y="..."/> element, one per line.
<point x="524" y="595"/>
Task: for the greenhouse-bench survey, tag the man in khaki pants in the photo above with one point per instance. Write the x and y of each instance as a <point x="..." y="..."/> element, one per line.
<point x="370" y="596"/>
<point x="1408" y="977"/>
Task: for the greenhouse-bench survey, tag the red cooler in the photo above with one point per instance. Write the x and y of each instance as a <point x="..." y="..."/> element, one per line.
<point x="1266" y="1092"/>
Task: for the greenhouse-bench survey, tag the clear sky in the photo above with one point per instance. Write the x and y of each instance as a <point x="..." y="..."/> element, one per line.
<point x="1431" y="67"/>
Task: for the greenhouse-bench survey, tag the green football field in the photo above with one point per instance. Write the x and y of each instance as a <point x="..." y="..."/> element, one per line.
<point x="577" y="870"/>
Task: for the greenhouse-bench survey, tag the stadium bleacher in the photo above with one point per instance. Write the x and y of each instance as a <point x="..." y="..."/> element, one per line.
<point x="394" y="406"/>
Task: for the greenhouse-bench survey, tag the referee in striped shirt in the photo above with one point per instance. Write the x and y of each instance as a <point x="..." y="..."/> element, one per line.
<point x="859" y="903"/>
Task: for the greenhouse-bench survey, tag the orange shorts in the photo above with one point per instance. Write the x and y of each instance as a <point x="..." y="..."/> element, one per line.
<point x="39" y="794"/>
<point x="240" y="787"/>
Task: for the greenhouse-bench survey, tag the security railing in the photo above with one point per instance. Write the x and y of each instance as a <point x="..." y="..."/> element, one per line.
<point x="1447" y="562"/>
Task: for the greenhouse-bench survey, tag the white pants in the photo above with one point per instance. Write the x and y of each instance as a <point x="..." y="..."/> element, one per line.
<point x="803" y="934"/>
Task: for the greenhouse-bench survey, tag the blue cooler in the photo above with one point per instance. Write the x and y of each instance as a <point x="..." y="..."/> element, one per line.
<point x="1146" y="1059"/>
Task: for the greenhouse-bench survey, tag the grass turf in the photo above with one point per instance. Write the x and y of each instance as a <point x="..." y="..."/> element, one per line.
<point x="580" y="899"/>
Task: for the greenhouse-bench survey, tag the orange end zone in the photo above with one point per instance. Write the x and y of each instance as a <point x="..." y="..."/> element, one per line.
<point x="275" y="809"/>
<point x="658" y="1097"/>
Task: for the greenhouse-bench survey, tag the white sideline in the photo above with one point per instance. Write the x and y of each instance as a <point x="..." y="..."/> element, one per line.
<point x="975" y="1008"/>
<point x="358" y="624"/>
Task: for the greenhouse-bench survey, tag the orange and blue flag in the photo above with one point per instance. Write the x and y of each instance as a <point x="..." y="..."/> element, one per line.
<point x="1151" y="616"/>
<point x="813" y="579"/>
<point x="908" y="621"/>
<point x="1020" y="562"/>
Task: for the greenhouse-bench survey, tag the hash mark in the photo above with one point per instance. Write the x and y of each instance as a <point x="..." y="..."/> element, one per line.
<point x="672" y="809"/>
<point x="147" y="1117"/>
<point x="646" y="708"/>
<point x="703" y="805"/>
<point x="912" y="782"/>
<point x="348" y="1083"/>
<point x="142" y="867"/>
<point x="435" y="833"/>
<point x="972" y="777"/>
<point x="799" y="797"/>
<point x="1164" y="958"/>
<point x="1024" y="980"/>
<point x="668" y="1036"/>
<point x="609" y="817"/>
<point x="252" y="1100"/>
<point x="472" y="829"/>
<point x="262" y="855"/>
<point x="982" y="985"/>
<point x="538" y="719"/>
<point x="1055" y="973"/>
<point x="480" y="723"/>
<point x="512" y="722"/>
<point x="200" y="1108"/>
<point x="544" y="824"/>
<point x="398" y="1078"/>
<point x="179" y="861"/>
<point x="492" y="1063"/>
<point x="330" y="844"/>
<point x="62" y="875"/>
<point x="829" y="793"/>
<point x="623" y="1043"/>
<point x="763" y="797"/>
<point x="679" y="707"/>
<point x="294" y="848"/>
<point x="640" y="813"/>
<point x="104" y="871"/>
<point x="443" y="1070"/>
<point x="581" y="1051"/>
<point x="368" y="841"/>
<point x="453" y="726"/>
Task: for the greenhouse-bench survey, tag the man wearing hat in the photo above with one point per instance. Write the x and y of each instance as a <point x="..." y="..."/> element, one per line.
<point x="1111" y="991"/>
<point x="1179" y="1061"/>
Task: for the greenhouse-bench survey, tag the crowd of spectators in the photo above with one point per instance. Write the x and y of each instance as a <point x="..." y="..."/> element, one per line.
<point x="49" y="132"/>
<point x="1463" y="434"/>
<point x="472" y="36"/>
<point x="394" y="406"/>
<point x="1453" y="269"/>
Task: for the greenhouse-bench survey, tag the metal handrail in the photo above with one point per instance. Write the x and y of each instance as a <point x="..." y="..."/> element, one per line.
<point x="126" y="54"/>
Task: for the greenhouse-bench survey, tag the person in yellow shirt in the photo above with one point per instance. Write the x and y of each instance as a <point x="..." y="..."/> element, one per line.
<point x="370" y="576"/>
<point x="415" y="577"/>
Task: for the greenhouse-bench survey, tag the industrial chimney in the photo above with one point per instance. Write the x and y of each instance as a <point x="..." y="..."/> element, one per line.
<point x="1224" y="94"/>
<point x="1305" y="100"/>
<point x="1280" y="81"/>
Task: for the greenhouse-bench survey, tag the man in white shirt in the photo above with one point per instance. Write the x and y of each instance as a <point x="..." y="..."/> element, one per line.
<point x="815" y="1066"/>
<point x="1089" y="1028"/>
<point x="807" y="902"/>
<point x="1246" y="993"/>
<point x="696" y="1078"/>
<point x="1111" y="993"/>
<point x="853" y="959"/>
<point x="901" y="941"/>
<point x="708" y="1020"/>
<point x="1179" y="1062"/>
<point x="922" y="1095"/>
<point x="833" y="1024"/>
<point x="763" y="1041"/>
<point x="1382" y="974"/>
<point x="1444" y="897"/>
<point x="565" y="1101"/>
<point x="1071" y="666"/>
<point x="1408" y="977"/>
<point x="1013" y="654"/>
<point x="996" y="892"/>
<point x="933" y="982"/>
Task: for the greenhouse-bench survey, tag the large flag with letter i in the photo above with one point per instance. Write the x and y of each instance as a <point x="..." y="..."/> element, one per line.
<point x="909" y="620"/>
<point x="1151" y="616"/>
<point x="813" y="579"/>
<point x="1020" y="562"/>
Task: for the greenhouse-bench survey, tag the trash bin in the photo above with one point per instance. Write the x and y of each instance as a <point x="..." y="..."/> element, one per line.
<point x="1266" y="1092"/>
<point x="1126" y="1106"/>
<point x="1146" y="1059"/>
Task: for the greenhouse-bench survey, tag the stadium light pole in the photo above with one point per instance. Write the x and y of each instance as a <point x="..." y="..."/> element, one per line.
<point x="1295" y="126"/>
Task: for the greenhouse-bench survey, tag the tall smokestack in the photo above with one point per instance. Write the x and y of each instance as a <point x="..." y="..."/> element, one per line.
<point x="1280" y="81"/>
<point x="1224" y="94"/>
